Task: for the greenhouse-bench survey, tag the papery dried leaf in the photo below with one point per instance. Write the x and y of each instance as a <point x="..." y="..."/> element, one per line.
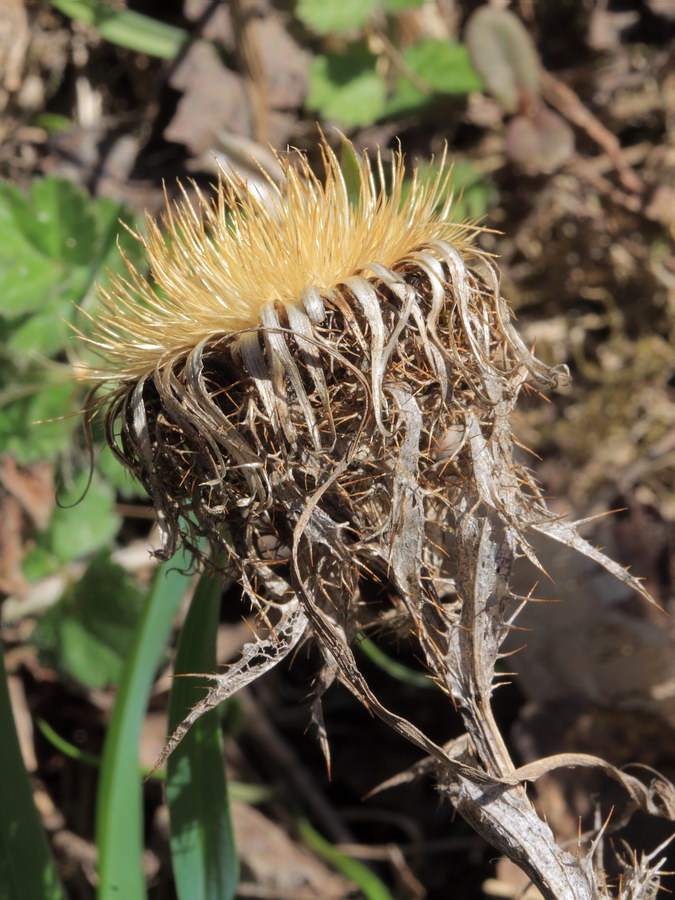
<point x="256" y="659"/>
<point x="566" y="533"/>
<point x="656" y="798"/>
<point x="539" y="141"/>
<point x="504" y="56"/>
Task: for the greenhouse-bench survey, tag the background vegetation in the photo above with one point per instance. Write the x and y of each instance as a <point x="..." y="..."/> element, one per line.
<point x="102" y="107"/>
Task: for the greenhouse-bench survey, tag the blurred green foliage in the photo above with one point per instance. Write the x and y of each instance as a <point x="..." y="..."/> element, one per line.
<point x="127" y="28"/>
<point x="347" y="15"/>
<point x="56" y="245"/>
<point x="472" y="193"/>
<point x="346" y="88"/>
<point x="27" y="871"/>
<point x="444" y="67"/>
<point x="350" y="86"/>
<point x="87" y="635"/>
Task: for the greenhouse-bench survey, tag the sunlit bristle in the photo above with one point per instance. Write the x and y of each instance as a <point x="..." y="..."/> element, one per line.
<point x="215" y="264"/>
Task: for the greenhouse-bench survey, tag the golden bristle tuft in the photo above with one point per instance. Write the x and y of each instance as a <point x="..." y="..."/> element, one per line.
<point x="213" y="267"/>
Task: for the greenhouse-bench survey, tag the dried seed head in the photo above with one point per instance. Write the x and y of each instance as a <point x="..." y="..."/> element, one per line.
<point x="325" y="392"/>
<point x="322" y="388"/>
<point x="271" y="342"/>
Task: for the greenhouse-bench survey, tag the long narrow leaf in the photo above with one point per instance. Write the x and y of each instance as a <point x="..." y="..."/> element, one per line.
<point x="393" y="667"/>
<point x="126" y="27"/>
<point x="27" y="871"/>
<point x="119" y="814"/>
<point x="202" y="843"/>
<point x="369" y="884"/>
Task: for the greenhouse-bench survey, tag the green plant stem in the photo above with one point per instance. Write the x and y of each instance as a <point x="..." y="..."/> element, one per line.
<point x="119" y="818"/>
<point x="203" y="851"/>
<point x="370" y="885"/>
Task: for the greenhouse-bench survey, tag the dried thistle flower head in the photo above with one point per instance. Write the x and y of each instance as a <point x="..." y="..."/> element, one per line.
<point x="323" y="389"/>
<point x="315" y="384"/>
<point x="275" y="339"/>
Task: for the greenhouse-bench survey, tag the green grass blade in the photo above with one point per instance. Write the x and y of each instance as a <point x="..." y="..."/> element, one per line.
<point x="368" y="883"/>
<point x="126" y="28"/>
<point x="65" y="747"/>
<point x="27" y="871"/>
<point x="119" y="815"/>
<point x="202" y="843"/>
<point x="238" y="790"/>
<point x="393" y="667"/>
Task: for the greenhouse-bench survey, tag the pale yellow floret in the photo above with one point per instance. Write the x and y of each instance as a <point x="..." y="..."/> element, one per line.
<point x="213" y="267"/>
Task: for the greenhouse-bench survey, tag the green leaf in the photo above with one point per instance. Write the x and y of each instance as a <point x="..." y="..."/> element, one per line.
<point x="473" y="193"/>
<point x="334" y="18"/>
<point x="54" y="123"/>
<point x="351" y="171"/>
<point x="392" y="667"/>
<point x="27" y="871"/>
<point x="370" y="885"/>
<point x="394" y="6"/>
<point x="345" y="88"/>
<point x="38" y="563"/>
<point x="26" y="276"/>
<point x="202" y="842"/>
<point x="127" y="28"/>
<point x="65" y="747"/>
<point x="23" y="430"/>
<point x="43" y="333"/>
<point x="245" y="793"/>
<point x="113" y="237"/>
<point x="59" y="222"/>
<point x="119" y="818"/>
<point x="87" y="634"/>
<point x="445" y="67"/>
<point x="85" y="521"/>
<point x="117" y="475"/>
<point x="55" y="244"/>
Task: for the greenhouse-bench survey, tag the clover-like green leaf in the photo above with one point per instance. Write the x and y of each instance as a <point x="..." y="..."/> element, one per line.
<point x="444" y="67"/>
<point x="56" y="243"/>
<point x="346" y="88"/>
<point x="86" y="635"/>
<point x="334" y="18"/>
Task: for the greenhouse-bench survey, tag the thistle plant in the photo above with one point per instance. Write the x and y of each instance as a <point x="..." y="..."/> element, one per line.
<point x="322" y="385"/>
